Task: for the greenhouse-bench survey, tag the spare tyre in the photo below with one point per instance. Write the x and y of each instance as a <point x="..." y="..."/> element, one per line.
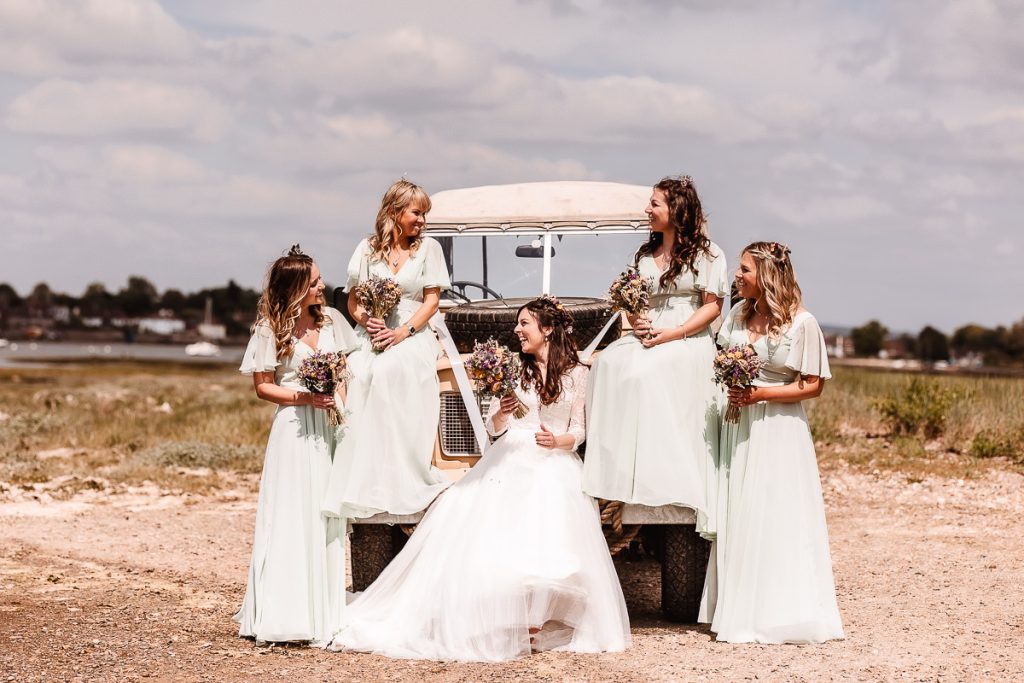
<point x="476" y="321"/>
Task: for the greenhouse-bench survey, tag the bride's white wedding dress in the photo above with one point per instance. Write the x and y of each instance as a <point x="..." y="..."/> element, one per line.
<point x="514" y="546"/>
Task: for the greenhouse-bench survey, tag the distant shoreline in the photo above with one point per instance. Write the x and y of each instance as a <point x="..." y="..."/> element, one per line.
<point x="25" y="354"/>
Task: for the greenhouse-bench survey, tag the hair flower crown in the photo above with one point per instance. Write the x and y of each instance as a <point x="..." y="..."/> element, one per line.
<point x="562" y="315"/>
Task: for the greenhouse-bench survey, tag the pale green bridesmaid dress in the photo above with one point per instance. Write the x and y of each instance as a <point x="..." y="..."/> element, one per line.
<point x="296" y="584"/>
<point x="385" y="464"/>
<point x="652" y="414"/>
<point x="770" y="576"/>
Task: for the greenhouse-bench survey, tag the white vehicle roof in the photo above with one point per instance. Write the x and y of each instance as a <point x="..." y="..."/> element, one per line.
<point x="558" y="207"/>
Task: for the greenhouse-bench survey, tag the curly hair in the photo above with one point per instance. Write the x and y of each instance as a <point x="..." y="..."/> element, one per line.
<point x="399" y="196"/>
<point x="690" y="222"/>
<point x="777" y="281"/>
<point x="563" y="355"/>
<point x="287" y="283"/>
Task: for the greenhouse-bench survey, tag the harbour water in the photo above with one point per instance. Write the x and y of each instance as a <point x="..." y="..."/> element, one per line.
<point x="41" y="353"/>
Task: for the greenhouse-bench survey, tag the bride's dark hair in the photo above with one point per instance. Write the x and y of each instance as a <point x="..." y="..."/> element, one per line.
<point x="563" y="355"/>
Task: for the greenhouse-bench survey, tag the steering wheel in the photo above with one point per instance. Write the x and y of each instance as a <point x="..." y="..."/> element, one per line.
<point x="459" y="289"/>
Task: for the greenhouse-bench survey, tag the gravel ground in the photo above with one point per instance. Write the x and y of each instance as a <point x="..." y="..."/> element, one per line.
<point x="141" y="585"/>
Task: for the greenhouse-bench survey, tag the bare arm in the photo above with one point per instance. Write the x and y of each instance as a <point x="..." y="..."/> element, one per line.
<point x="268" y="390"/>
<point x="431" y="301"/>
<point x="699" y="320"/>
<point x="356" y="310"/>
<point x="803" y="388"/>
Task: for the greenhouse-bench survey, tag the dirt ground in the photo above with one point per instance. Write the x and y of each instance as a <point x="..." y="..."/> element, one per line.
<point x="142" y="585"/>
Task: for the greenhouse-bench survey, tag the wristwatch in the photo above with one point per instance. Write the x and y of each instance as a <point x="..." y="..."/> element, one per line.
<point x="412" y="329"/>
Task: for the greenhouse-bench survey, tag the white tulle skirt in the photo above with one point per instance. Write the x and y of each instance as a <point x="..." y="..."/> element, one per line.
<point x="514" y="545"/>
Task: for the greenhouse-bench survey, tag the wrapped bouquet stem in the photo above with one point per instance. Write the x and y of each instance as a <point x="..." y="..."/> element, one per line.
<point x="496" y="371"/>
<point x="322" y="373"/>
<point x="737" y="367"/>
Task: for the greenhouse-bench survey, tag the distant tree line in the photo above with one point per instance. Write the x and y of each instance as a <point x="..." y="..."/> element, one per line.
<point x="993" y="346"/>
<point x="233" y="305"/>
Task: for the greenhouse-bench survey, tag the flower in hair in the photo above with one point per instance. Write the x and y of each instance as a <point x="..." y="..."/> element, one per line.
<point x="551" y="299"/>
<point x="562" y="314"/>
<point x="779" y="250"/>
<point x="296" y="250"/>
<point x="686" y="181"/>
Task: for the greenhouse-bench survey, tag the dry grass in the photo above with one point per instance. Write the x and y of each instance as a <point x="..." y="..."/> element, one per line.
<point x="983" y="426"/>
<point x="183" y="428"/>
<point x="197" y="429"/>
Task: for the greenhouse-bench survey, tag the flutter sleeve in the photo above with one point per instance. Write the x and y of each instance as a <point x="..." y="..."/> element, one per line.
<point x="261" y="353"/>
<point x="713" y="273"/>
<point x="344" y="336"/>
<point x="578" y="414"/>
<point x="356" y="265"/>
<point x="435" y="270"/>
<point x="808" y="354"/>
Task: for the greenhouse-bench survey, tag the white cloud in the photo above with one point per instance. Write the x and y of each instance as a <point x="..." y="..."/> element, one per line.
<point x="200" y="138"/>
<point x="821" y="211"/>
<point x="48" y="37"/>
<point x="103" y="107"/>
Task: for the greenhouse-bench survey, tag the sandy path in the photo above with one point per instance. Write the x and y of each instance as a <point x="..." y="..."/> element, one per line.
<point x="142" y="586"/>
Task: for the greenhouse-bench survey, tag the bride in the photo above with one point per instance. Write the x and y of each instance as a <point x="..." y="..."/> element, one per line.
<point x="511" y="558"/>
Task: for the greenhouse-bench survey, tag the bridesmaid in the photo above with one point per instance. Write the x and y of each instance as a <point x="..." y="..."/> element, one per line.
<point x="296" y="584"/>
<point x="385" y="464"/>
<point x="652" y="405"/>
<point x="774" y="571"/>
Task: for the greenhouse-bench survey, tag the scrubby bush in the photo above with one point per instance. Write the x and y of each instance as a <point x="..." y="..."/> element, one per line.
<point x="989" y="444"/>
<point x="193" y="454"/>
<point x="921" y="409"/>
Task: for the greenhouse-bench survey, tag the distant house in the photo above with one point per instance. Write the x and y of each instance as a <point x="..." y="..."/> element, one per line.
<point x="212" y="331"/>
<point x="61" y="314"/>
<point x="839" y="345"/>
<point x="161" y="326"/>
<point x="896" y="348"/>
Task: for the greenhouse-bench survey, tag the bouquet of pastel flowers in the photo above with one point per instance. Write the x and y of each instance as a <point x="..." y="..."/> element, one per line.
<point x="322" y="373"/>
<point x="496" y="371"/>
<point x="737" y="366"/>
<point x="631" y="292"/>
<point x="379" y="296"/>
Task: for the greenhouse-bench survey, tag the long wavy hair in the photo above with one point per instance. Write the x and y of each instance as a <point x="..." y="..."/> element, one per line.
<point x="287" y="283"/>
<point x="688" y="218"/>
<point x="563" y="355"/>
<point x="777" y="281"/>
<point x="399" y="196"/>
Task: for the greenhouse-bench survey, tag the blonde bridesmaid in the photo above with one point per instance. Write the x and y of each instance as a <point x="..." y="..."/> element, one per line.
<point x="385" y="463"/>
<point x="774" y="571"/>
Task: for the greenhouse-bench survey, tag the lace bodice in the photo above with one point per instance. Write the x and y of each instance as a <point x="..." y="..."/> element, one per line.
<point x="567" y="415"/>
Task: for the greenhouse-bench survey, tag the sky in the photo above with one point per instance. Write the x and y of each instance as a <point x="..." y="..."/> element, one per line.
<point x="192" y="141"/>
